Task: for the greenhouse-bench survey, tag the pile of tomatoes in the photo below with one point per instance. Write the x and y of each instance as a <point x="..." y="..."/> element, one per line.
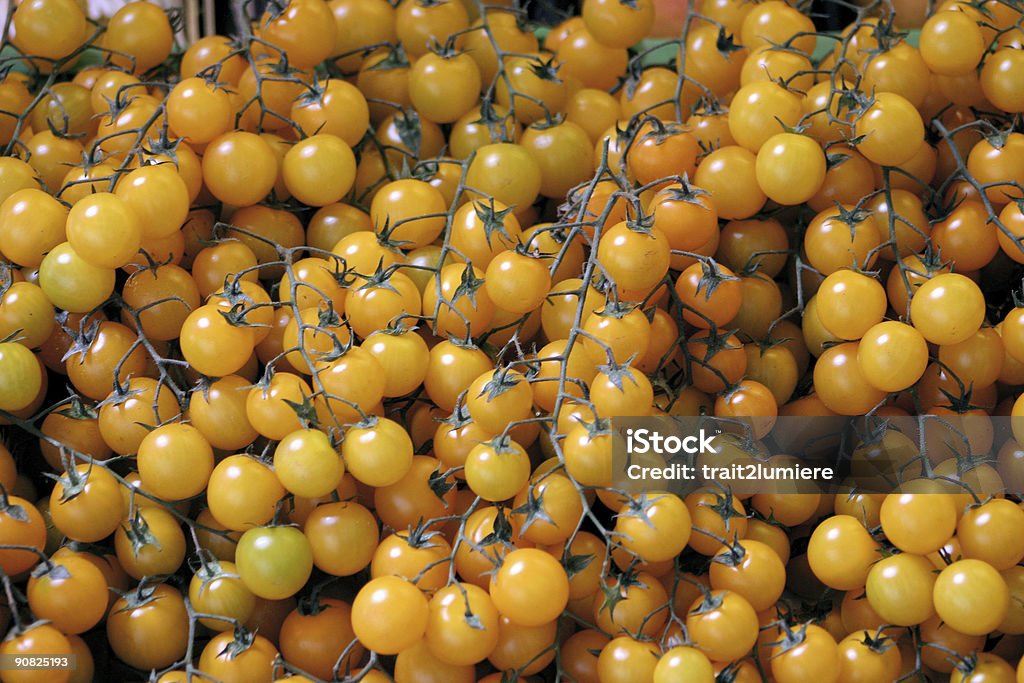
<point x="310" y="339"/>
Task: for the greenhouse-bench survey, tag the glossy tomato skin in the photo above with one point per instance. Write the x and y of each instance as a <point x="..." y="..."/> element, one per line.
<point x="962" y="587"/>
<point x="243" y="492"/>
<point x="313" y="638"/>
<point x="216" y="589"/>
<point x="530" y="587"/>
<point x="389" y="614"/>
<point x="22" y="376"/>
<point x="239" y="168"/>
<point x="790" y="168"/>
<point x="816" y="657"/>
<point x="39" y="641"/>
<point x="95" y="512"/>
<point x="274" y="562"/>
<point x="841" y="552"/>
<point x="724" y="625"/>
<point x="319" y="170"/>
<point x="84" y="586"/>
<point x="307" y="464"/>
<point x="252" y="661"/>
<point x="150" y="635"/>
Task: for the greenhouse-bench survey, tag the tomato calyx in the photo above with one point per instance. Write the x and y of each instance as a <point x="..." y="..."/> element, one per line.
<point x="638" y="506"/>
<point x="381" y="278"/>
<point x="574" y="564"/>
<point x="878" y="643"/>
<point x="960" y="402"/>
<point x="601" y="426"/>
<point x="877" y="428"/>
<point x="931" y="259"/>
<point x="368" y="422"/>
<point x="151" y="264"/>
<point x="533" y="509"/>
<point x="141" y="595"/>
<point x="459" y="417"/>
<point x="710" y="600"/>
<point x="72" y="481"/>
<point x="641" y="224"/>
<point x="397" y="328"/>
<point x="410" y="132"/>
<point x="12" y="510"/>
<point x="274" y="9"/>
<point x="326" y="320"/>
<point x="7" y="278"/>
<point x="965" y="463"/>
<point x="723" y="506"/>
<point x="634" y="72"/>
<point x="311" y="605"/>
<point x="502" y="444"/>
<point x="81" y="341"/>
<point x="711" y="277"/>
<point x="852" y="216"/>
<point x="685" y="192"/>
<point x="887" y="35"/>
<point x="139" y="535"/>
<point x="552" y="120"/>
<point x="210" y="570"/>
<point x="997" y="138"/>
<point x="835" y="159"/>
<point x="425" y="170"/>
<point x="395" y="59"/>
<point x="162" y="146"/>
<point x="19" y="630"/>
<point x="732" y="556"/>
<point x="420" y="536"/>
<point x="492" y="219"/>
<point x="855" y="100"/>
<point x="726" y="43"/>
<point x="312" y="94"/>
<point x="90" y="159"/>
<point x="617" y="374"/>
<point x="791" y="638"/>
<point x="469" y="285"/>
<point x="239" y="302"/>
<point x="545" y="69"/>
<point x="730" y="674"/>
<point x="445" y="50"/>
<point x="241" y="641"/>
<point x="466" y="343"/>
<point x="52" y="570"/>
<point x="715" y="341"/>
<point x="441" y="483"/>
<point x="727" y="394"/>
<point x="659" y="131"/>
<point x="495" y="122"/>
<point x="965" y="664"/>
<point x="78" y="409"/>
<point x="116" y="106"/>
<point x="615" y="591"/>
<point x="501" y="530"/>
<point x="616" y="310"/>
<point x="797" y="129"/>
<point x="304" y="410"/>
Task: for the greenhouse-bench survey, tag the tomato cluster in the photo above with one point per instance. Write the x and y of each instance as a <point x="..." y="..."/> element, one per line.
<point x="310" y="339"/>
